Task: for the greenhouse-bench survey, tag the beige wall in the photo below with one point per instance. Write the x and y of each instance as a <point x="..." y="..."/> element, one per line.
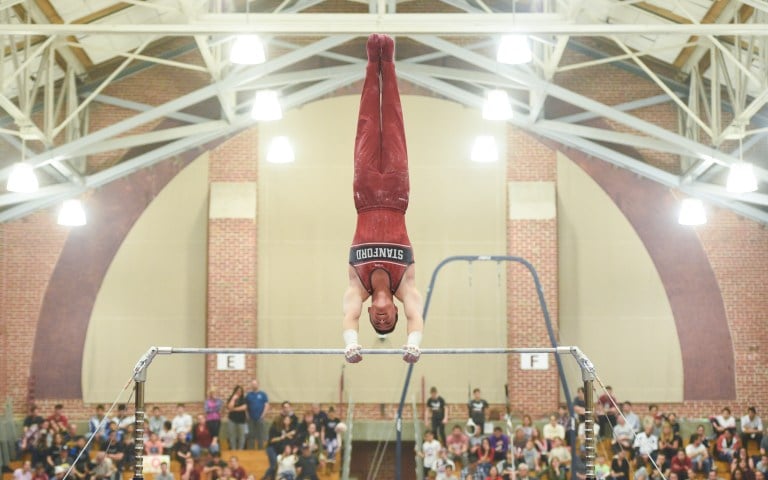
<point x="134" y="311"/>
<point x="612" y="303"/>
<point x="306" y="220"/>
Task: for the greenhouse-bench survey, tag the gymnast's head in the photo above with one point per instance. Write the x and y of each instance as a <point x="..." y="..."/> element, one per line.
<point x="383" y="314"/>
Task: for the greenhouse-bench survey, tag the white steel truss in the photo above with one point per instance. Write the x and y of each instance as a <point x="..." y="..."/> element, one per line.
<point x="720" y="89"/>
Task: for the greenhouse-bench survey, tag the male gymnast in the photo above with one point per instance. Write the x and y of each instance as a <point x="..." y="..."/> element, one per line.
<point x="381" y="257"/>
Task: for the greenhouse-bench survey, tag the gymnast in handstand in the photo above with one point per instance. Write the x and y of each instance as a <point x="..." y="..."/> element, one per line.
<point x="381" y="258"/>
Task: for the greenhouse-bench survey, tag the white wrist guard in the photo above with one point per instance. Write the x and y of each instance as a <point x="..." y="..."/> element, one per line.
<point x="414" y="338"/>
<point x="350" y="337"/>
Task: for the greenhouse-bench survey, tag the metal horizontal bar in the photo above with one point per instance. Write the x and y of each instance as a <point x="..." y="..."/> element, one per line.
<point x="393" y="23"/>
<point x="365" y="351"/>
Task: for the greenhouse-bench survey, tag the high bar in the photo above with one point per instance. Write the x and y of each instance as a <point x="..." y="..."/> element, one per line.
<point x="365" y="351"/>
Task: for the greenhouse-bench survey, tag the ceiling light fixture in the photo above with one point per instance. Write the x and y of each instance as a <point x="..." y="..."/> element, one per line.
<point x="497" y="106"/>
<point x="247" y="50"/>
<point x="692" y="212"/>
<point x="741" y="177"/>
<point x="485" y="150"/>
<point x="514" y="50"/>
<point x="280" y="151"/>
<point x="22" y="179"/>
<point x="72" y="213"/>
<point x="266" y="106"/>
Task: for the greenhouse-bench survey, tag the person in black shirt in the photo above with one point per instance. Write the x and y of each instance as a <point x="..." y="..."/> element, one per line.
<point x="306" y="467"/>
<point x="436" y="406"/>
<point x="477" y="408"/>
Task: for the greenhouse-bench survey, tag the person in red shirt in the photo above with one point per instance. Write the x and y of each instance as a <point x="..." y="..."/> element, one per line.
<point x="381" y="258"/>
<point x="682" y="465"/>
<point x="203" y="438"/>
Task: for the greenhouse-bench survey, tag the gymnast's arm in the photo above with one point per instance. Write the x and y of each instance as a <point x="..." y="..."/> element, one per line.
<point x="413" y="304"/>
<point x="352" y="309"/>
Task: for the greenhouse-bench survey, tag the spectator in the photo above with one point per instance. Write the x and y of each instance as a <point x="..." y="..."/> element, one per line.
<point x="554" y="471"/>
<point x="203" y="438"/>
<point x="610" y="407"/>
<point x="560" y="452"/>
<point x="620" y="466"/>
<point x="552" y="430"/>
<point x="237" y="470"/>
<point x="58" y="422"/>
<point x="115" y="450"/>
<point x="306" y="466"/>
<point x="39" y="473"/>
<point x="623" y="435"/>
<point x="450" y="473"/>
<point x="527" y="426"/>
<point x="458" y="445"/>
<point x="564" y="419"/>
<point x="164" y="474"/>
<point x="280" y="435"/>
<point x="441" y="465"/>
<point x="531" y="456"/>
<point x="331" y="441"/>
<point x="699" y="455"/>
<point x="724" y="421"/>
<point x="704" y="438"/>
<point x="182" y="451"/>
<point x="167" y="435"/>
<point x="477" y="409"/>
<point x="153" y="446"/>
<point x="745" y="463"/>
<point x="439" y="414"/>
<point x="212" y="409"/>
<point x="312" y="439"/>
<point x="541" y="446"/>
<point x="499" y="444"/>
<point x="672" y="420"/>
<point x="33" y="427"/>
<point x="646" y="443"/>
<point x="762" y="464"/>
<point x="484" y="458"/>
<point x="430" y="449"/>
<point x="727" y="446"/>
<point x="579" y="405"/>
<point x="631" y="417"/>
<point x="53" y="455"/>
<point x="214" y="467"/>
<point x="751" y="427"/>
<point x="474" y="444"/>
<point x="286" y="464"/>
<point x="123" y="418"/>
<point x="156" y="421"/>
<point x="237" y="407"/>
<point x="682" y="465"/>
<point x="713" y="475"/>
<point x="102" y="467"/>
<point x="669" y="442"/>
<point x="182" y="422"/>
<point x="24" y="472"/>
<point x="602" y="469"/>
<point x="319" y="417"/>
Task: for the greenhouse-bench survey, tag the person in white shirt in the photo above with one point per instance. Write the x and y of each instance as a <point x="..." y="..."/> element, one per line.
<point x="552" y="430"/>
<point x="699" y="454"/>
<point x="631" y="417"/>
<point x="430" y="450"/>
<point x="724" y="421"/>
<point x="24" y="472"/>
<point x="182" y="422"/>
<point x="623" y="435"/>
<point x="751" y="427"/>
<point x="646" y="443"/>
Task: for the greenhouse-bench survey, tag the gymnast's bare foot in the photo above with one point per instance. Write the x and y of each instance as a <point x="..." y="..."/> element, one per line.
<point x="387" y="48"/>
<point x="373" y="47"/>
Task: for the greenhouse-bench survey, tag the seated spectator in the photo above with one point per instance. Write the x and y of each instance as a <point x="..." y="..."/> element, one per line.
<point x="623" y="435"/>
<point x="500" y="444"/>
<point x="517" y="445"/>
<point x="115" y="450"/>
<point x="527" y="426"/>
<point x="193" y="469"/>
<point x="751" y="427"/>
<point x="507" y="468"/>
<point x="672" y="420"/>
<point x="123" y="417"/>
<point x="699" y="455"/>
<point x="129" y="446"/>
<point x="551" y="430"/>
<point x="53" y="456"/>
<point x="153" y="446"/>
<point x="602" y="469"/>
<point x="619" y="466"/>
<point x="646" y="443"/>
<point x="102" y="467"/>
<point x="203" y="438"/>
<point x="724" y="421"/>
<point x="713" y="475"/>
<point x="762" y="464"/>
<point x="631" y="417"/>
<point x="306" y="466"/>
<point x="30" y="429"/>
<point x="474" y="445"/>
<point x="682" y="465"/>
<point x="554" y="471"/>
<point x="654" y="417"/>
<point x="182" y="422"/>
<point x="669" y="441"/>
<point x="312" y="439"/>
<point x="727" y="446"/>
<point x="156" y="421"/>
<point x="539" y="443"/>
<point x="181" y="451"/>
<point x="564" y="419"/>
<point x="164" y="474"/>
<point x="561" y="452"/>
<point x="738" y="474"/>
<point x="531" y="456"/>
<point x="24" y="472"/>
<point x="238" y="472"/>
<point x="745" y="463"/>
<point x="97" y="427"/>
<point x="457" y="444"/>
<point x="485" y="456"/>
<point x="523" y="473"/>
<point x="701" y="430"/>
<point x="167" y="436"/>
<point x="214" y="467"/>
<point x="58" y="422"/>
<point x="441" y="465"/>
<point x="39" y="473"/>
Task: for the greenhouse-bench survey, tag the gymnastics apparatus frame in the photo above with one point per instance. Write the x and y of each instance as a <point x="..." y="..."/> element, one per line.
<point x="140" y="378"/>
<point x="587" y="369"/>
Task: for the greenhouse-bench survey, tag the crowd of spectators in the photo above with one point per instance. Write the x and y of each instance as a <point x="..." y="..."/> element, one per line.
<point x="641" y="448"/>
<point x="297" y="448"/>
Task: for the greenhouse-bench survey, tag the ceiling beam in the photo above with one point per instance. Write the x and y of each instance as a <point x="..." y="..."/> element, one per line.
<point x="395" y="24"/>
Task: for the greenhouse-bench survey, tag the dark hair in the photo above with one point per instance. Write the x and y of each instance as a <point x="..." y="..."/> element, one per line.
<point x="58" y="406"/>
<point x="753" y="410"/>
<point x="121" y="406"/>
<point x="383" y="331"/>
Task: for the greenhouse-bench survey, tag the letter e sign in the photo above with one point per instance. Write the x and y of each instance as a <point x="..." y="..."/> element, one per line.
<point x="230" y="361"/>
